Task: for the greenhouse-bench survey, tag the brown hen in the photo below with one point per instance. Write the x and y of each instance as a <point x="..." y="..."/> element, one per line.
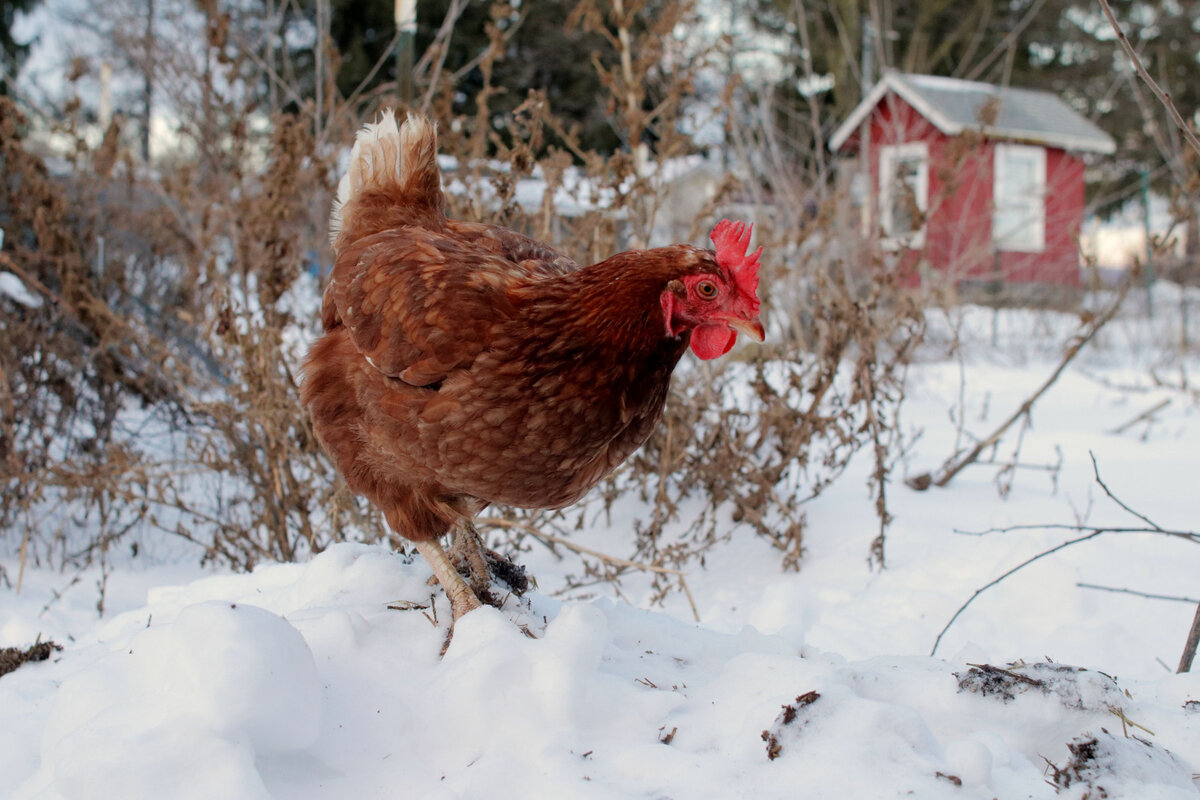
<point x="464" y="364"/>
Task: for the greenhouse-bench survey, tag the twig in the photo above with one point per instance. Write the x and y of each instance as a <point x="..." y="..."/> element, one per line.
<point x="1149" y="412"/>
<point x="273" y="76"/>
<point x="1119" y="713"/>
<point x="1163" y="97"/>
<point x="1189" y="648"/>
<point x="587" y="551"/>
<point x="578" y="548"/>
<point x="1014" y="465"/>
<point x="441" y="45"/>
<point x="1096" y="471"/>
<point x="26" y="278"/>
<point x="470" y="66"/>
<point x="1007" y="42"/>
<point x="24" y="556"/>
<point x="1193" y="640"/>
<point x="1012" y="571"/>
<point x="1136" y="593"/>
<point x="993" y="670"/>
<point x="957" y="463"/>
<point x="387" y="53"/>
<point x="1190" y="536"/>
<point x="59" y="595"/>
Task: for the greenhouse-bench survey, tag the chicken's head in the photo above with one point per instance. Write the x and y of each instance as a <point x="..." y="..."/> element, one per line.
<point x="717" y="303"/>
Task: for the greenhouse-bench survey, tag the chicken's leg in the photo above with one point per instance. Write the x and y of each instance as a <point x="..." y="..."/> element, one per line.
<point x="462" y="599"/>
<point x="468" y="553"/>
<point x="467" y="550"/>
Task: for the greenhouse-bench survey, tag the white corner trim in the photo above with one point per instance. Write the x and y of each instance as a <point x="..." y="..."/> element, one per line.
<point x="891" y="81"/>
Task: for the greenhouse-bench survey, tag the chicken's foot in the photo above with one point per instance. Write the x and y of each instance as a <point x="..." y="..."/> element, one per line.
<point x="481" y="565"/>
<point x="462" y="599"/>
<point x="468" y="554"/>
<point x="467" y="550"/>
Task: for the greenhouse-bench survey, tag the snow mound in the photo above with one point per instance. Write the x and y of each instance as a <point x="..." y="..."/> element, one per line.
<point x="1104" y="765"/>
<point x="220" y="685"/>
<point x="323" y="680"/>
<point x="1075" y="687"/>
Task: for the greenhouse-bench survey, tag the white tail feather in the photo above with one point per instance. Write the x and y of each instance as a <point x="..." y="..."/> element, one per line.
<point x="375" y="163"/>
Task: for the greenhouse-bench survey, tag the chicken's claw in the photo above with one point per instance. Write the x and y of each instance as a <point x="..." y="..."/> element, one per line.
<point x="462" y="598"/>
<point x="481" y="565"/>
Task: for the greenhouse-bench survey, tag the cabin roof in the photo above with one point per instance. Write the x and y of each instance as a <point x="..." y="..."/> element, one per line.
<point x="955" y="106"/>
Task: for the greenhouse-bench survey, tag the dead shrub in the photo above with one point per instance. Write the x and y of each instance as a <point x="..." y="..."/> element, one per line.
<point x="156" y="382"/>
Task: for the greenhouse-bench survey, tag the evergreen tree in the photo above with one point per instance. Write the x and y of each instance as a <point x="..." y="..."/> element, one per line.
<point x="1074" y="53"/>
<point x="1063" y="46"/>
<point x="12" y="52"/>
<point x="542" y="53"/>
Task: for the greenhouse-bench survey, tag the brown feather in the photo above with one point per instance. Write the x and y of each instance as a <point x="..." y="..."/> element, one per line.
<point x="465" y="364"/>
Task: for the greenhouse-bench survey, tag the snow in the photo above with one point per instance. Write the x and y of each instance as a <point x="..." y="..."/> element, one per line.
<point x="14" y="288"/>
<point x="324" y="679"/>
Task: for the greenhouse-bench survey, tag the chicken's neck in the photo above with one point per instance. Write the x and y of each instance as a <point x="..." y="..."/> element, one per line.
<point x="612" y="309"/>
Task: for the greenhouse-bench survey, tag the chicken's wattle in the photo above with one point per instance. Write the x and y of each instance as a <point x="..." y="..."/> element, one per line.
<point x="712" y="341"/>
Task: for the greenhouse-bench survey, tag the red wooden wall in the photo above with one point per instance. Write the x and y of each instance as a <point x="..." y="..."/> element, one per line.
<point x="958" y="234"/>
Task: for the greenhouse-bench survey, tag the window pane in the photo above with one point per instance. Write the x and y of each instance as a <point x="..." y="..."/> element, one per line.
<point x="1019" y="198"/>
<point x="906" y="208"/>
<point x="904" y="184"/>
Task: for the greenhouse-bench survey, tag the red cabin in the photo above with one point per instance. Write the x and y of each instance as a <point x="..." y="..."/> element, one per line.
<point x="980" y="183"/>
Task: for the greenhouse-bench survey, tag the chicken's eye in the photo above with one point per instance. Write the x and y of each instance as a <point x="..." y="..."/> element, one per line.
<point x="706" y="289"/>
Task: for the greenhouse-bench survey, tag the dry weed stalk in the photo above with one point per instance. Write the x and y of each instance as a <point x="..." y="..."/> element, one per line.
<point x="1092" y="324"/>
<point x="157" y="380"/>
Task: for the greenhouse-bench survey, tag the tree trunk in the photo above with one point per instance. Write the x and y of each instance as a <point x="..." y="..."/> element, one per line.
<point x="148" y="80"/>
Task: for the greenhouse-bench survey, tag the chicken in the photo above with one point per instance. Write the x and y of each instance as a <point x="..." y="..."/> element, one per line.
<point x="464" y="364"/>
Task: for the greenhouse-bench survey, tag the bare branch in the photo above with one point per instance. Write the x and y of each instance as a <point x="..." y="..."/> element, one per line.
<point x="1096" y="471"/>
<point x="1006" y="44"/>
<point x="1145" y="415"/>
<point x="1006" y="575"/>
<point x="550" y="538"/>
<point x="1136" y="593"/>
<point x="1163" y="96"/>
<point x="958" y="462"/>
<point x="1189" y="649"/>
<point x="1092" y="533"/>
<point x="578" y="548"/>
<point x="441" y="45"/>
<point x="1189" y="536"/>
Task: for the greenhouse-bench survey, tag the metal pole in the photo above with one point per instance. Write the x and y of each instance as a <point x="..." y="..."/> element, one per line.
<point x="406" y="28"/>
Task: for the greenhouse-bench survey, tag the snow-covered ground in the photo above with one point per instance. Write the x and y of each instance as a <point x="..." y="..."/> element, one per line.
<point x="324" y="680"/>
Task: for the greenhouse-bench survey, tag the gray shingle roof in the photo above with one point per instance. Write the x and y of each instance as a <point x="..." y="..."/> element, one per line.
<point x="955" y="106"/>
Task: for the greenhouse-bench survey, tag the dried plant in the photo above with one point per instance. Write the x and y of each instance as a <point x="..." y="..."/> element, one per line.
<point x="157" y="382"/>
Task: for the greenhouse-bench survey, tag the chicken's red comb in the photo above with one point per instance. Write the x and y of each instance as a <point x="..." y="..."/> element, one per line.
<point x="732" y="240"/>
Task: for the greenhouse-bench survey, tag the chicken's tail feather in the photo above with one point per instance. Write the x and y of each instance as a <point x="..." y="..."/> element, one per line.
<point x="393" y="179"/>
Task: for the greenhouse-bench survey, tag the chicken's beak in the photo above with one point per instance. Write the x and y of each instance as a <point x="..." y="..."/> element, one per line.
<point x="751" y="327"/>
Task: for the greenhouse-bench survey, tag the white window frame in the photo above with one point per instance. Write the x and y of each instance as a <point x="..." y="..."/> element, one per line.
<point x="1018" y="214"/>
<point x="889" y="156"/>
